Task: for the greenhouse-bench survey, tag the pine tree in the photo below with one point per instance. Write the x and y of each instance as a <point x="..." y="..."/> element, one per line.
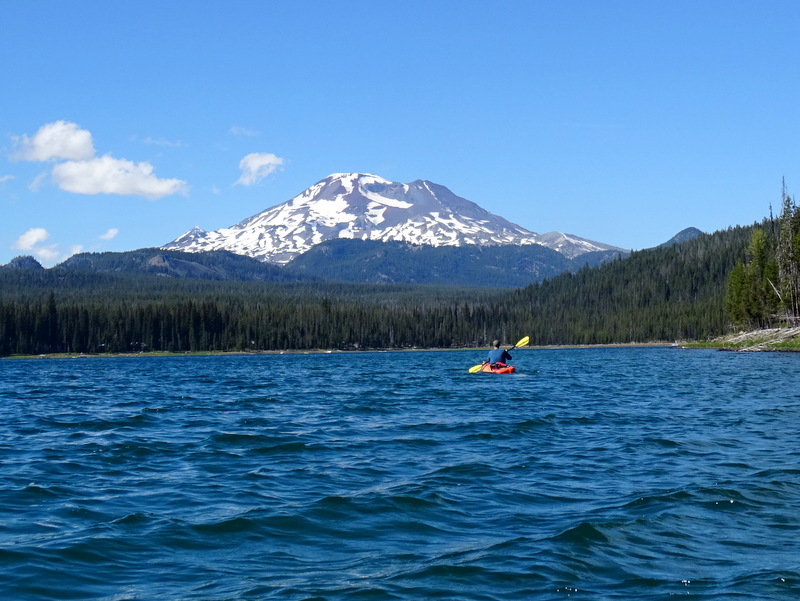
<point x="788" y="257"/>
<point x="735" y="304"/>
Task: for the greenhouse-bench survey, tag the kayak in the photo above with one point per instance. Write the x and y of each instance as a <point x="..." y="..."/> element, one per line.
<point x="497" y="368"/>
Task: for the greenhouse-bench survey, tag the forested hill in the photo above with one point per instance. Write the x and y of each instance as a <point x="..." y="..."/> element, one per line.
<point x="661" y="294"/>
<point x="212" y="265"/>
<point x="360" y="261"/>
<point x="502" y="266"/>
<point x="667" y="293"/>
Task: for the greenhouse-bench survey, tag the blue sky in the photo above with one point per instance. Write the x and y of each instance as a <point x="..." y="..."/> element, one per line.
<point x="123" y="125"/>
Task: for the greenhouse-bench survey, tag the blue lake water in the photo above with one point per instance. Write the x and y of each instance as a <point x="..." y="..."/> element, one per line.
<point x="590" y="474"/>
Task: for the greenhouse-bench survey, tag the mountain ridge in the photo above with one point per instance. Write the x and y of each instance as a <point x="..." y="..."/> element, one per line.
<point x="370" y="261"/>
<point x="350" y="261"/>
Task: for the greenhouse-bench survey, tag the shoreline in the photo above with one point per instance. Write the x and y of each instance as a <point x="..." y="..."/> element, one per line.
<point x="765" y="340"/>
<point x="331" y="351"/>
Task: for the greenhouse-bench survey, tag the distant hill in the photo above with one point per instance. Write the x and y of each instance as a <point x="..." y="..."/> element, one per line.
<point x="214" y="265"/>
<point x="355" y="261"/>
<point x="508" y="266"/>
<point x="682" y="236"/>
<point x="24" y="262"/>
<point x="670" y="292"/>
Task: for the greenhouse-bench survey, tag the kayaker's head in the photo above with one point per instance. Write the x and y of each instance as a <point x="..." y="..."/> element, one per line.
<point x="496" y="344"/>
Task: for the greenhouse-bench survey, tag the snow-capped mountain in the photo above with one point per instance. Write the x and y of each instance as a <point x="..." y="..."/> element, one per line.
<point x="368" y="207"/>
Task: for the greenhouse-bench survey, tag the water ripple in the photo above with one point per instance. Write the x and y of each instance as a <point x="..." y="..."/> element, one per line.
<point x="594" y="473"/>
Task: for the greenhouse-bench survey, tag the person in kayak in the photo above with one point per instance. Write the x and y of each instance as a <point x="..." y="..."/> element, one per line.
<point x="497" y="354"/>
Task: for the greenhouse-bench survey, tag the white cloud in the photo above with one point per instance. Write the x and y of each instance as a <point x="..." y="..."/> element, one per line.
<point x="256" y="166"/>
<point x="110" y="234"/>
<point x="163" y="142"/>
<point x="37" y="182"/>
<point x="5" y="178"/>
<point x="28" y="240"/>
<point x="48" y="254"/>
<point x="57" y="140"/>
<point x="31" y="242"/>
<point x="107" y="175"/>
<point x="243" y="131"/>
<point x="77" y="169"/>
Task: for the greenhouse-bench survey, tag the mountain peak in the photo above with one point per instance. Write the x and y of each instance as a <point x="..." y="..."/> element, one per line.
<point x="352" y="177"/>
<point x="682" y="236"/>
<point x="23" y="262"/>
<point x="362" y="206"/>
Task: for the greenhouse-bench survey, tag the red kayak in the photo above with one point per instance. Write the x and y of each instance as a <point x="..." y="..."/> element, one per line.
<point x="498" y="368"/>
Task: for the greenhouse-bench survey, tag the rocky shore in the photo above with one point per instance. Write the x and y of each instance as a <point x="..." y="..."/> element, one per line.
<point x="770" y="339"/>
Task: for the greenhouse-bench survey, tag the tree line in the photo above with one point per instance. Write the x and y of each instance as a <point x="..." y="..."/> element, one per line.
<point x="764" y="287"/>
<point x="52" y="312"/>
<point x="661" y="294"/>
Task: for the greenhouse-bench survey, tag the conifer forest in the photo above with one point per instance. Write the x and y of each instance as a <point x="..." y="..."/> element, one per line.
<point x="745" y="276"/>
<point x="764" y="286"/>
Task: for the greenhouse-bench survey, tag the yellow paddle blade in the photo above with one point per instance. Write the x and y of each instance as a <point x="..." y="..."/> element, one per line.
<point x="475" y="368"/>
<point x="523" y="342"/>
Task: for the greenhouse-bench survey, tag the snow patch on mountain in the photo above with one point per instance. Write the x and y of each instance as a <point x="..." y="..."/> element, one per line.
<point x="573" y="246"/>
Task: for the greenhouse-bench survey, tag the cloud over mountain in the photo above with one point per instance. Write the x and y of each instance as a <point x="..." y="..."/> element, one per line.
<point x="256" y="166"/>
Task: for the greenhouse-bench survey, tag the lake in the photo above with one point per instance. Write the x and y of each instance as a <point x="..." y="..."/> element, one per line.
<point x="607" y="473"/>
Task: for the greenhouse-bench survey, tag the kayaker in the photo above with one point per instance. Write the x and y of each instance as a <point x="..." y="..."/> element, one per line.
<point x="497" y="354"/>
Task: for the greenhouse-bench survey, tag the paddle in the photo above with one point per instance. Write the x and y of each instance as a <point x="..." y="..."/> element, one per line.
<point x="523" y="342"/>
